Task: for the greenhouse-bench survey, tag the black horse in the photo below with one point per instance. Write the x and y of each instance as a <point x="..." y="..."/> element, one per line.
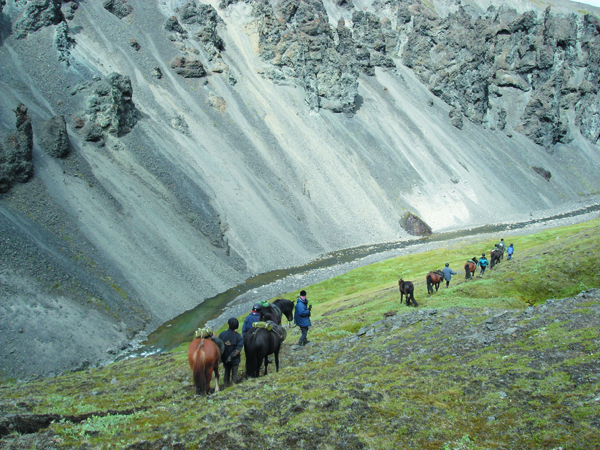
<point x="286" y="307"/>
<point x="270" y="312"/>
<point x="258" y="344"/>
<point x="407" y="288"/>
<point x="495" y="257"/>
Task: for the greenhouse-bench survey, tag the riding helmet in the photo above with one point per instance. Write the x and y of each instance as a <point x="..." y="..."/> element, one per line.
<point x="233" y="323"/>
<point x="483" y="254"/>
<point x="447" y="265"/>
<point x="256" y="307"/>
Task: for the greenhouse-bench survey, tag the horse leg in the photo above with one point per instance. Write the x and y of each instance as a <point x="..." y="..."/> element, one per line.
<point x="266" y="363"/>
<point x="412" y="294"/>
<point x="277" y="360"/>
<point x="216" y="369"/>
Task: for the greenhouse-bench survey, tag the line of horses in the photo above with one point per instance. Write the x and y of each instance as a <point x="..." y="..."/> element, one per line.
<point x="435" y="277"/>
<point x="259" y="343"/>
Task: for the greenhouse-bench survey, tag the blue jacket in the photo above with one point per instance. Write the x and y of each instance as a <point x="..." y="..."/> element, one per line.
<point x="233" y="341"/>
<point x="248" y="321"/>
<point x="448" y="272"/>
<point x="302" y="314"/>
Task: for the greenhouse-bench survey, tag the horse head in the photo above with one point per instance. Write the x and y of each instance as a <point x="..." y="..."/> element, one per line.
<point x="270" y="312"/>
<point x="286" y="307"/>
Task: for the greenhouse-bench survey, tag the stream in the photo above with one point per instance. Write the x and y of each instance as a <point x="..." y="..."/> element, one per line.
<point x="238" y="300"/>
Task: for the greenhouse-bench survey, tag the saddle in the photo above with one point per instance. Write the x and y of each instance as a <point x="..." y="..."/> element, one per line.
<point x="207" y="333"/>
<point x="272" y="326"/>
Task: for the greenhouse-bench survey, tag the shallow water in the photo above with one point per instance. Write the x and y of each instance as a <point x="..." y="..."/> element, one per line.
<point x="236" y="301"/>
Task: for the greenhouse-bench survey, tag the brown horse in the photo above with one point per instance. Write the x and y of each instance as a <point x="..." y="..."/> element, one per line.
<point x="434" y="279"/>
<point x="470" y="267"/>
<point x="204" y="357"/>
<point x="407" y="288"/>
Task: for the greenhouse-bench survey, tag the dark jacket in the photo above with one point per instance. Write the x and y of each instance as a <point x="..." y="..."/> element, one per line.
<point x="233" y="341"/>
<point x="248" y="321"/>
<point x="302" y="314"/>
<point x="448" y="272"/>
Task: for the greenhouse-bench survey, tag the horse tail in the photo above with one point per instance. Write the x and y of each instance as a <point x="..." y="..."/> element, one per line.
<point x="429" y="283"/>
<point x="199" y="372"/>
<point x="252" y="366"/>
<point x="467" y="271"/>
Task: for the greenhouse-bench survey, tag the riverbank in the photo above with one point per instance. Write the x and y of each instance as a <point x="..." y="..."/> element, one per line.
<point x="553" y="218"/>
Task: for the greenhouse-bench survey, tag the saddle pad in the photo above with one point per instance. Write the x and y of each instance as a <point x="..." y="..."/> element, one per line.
<point x="265" y="325"/>
<point x="203" y="332"/>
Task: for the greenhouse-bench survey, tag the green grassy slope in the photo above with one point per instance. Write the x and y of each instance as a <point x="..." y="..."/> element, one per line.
<point x="473" y="367"/>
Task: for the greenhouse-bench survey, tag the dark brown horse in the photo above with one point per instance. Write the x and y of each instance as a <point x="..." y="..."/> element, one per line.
<point x="286" y="307"/>
<point x="434" y="279"/>
<point x="204" y="357"/>
<point x="495" y="257"/>
<point x="270" y="312"/>
<point x="258" y="344"/>
<point x="407" y="288"/>
<point x="470" y="267"/>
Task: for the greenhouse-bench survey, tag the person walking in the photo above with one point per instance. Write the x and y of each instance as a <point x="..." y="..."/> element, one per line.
<point x="510" y="250"/>
<point x="448" y="272"/>
<point x="483" y="263"/>
<point x="233" y="348"/>
<point x="251" y="318"/>
<point x="302" y="317"/>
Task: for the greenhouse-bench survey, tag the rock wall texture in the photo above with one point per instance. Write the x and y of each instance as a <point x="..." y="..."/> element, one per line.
<point x="166" y="151"/>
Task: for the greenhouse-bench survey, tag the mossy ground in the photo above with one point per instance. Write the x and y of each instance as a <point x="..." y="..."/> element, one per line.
<point x="473" y="367"/>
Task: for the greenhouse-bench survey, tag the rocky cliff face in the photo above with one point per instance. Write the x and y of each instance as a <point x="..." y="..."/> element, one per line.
<point x="172" y="149"/>
<point x="528" y="71"/>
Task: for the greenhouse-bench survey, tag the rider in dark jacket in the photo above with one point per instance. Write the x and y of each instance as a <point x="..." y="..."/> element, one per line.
<point x="233" y="348"/>
<point x="251" y="318"/>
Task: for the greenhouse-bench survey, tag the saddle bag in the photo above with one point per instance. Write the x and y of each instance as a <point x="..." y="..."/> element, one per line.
<point x="205" y="332"/>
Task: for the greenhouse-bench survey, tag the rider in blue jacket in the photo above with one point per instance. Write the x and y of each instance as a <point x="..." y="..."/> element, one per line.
<point x="302" y="317"/>
<point x="251" y="318"/>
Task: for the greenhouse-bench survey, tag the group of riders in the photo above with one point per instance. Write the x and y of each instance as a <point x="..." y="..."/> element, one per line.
<point x="434" y="278"/>
<point x="483" y="262"/>
<point x="230" y="342"/>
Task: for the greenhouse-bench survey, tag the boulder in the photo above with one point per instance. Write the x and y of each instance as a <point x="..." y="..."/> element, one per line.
<point x="414" y="226"/>
<point x="39" y="14"/>
<point x="109" y="105"/>
<point x="16" y="152"/>
<point x="191" y="68"/>
<point x="543" y="172"/>
<point x="53" y="138"/>
<point x="119" y="8"/>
